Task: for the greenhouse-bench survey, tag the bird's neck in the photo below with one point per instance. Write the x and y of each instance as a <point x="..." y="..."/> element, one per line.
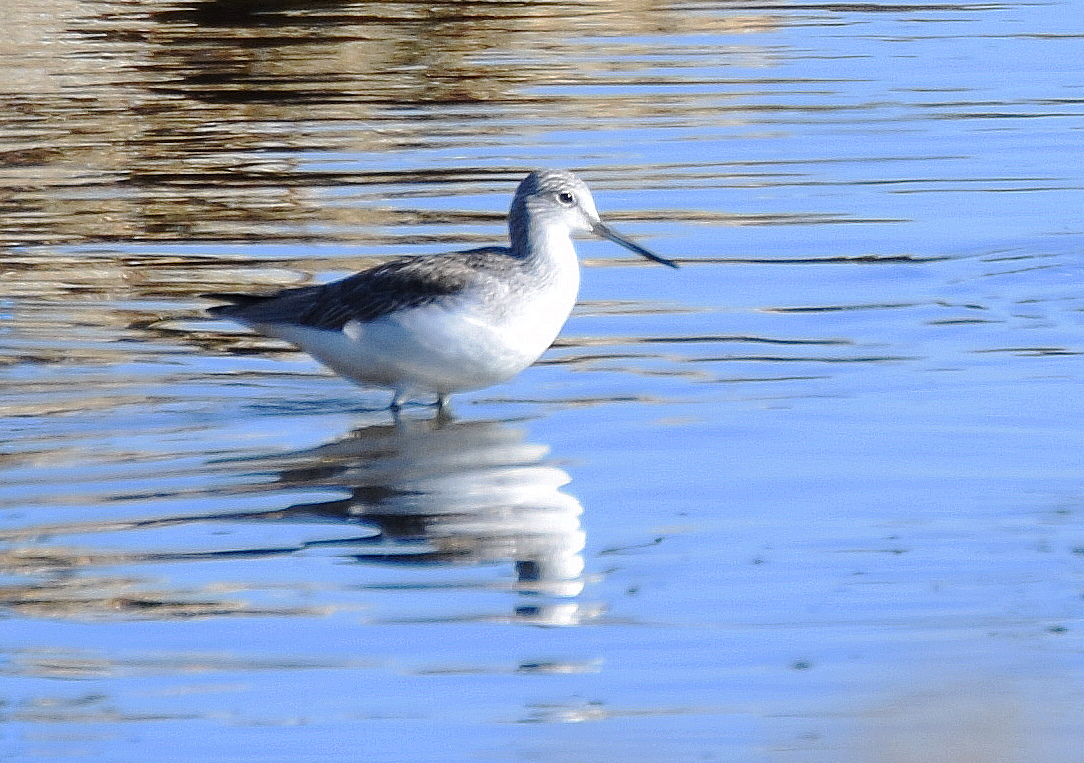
<point x="551" y="246"/>
<point x="542" y="243"/>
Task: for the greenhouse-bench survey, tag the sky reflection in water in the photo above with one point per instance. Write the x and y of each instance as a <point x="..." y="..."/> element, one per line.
<point x="824" y="497"/>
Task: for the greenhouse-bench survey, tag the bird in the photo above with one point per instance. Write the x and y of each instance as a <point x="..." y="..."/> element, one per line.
<point x="440" y="324"/>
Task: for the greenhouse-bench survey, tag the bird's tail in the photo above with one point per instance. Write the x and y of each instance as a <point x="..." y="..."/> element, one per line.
<point x="237" y="302"/>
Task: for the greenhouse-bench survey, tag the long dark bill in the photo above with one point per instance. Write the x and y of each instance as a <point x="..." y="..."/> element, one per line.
<point x="605" y="231"/>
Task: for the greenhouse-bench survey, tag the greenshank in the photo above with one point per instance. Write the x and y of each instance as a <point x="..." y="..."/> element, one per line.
<point x="445" y="323"/>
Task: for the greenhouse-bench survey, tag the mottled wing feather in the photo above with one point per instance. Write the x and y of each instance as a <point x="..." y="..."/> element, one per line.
<point x="371" y="294"/>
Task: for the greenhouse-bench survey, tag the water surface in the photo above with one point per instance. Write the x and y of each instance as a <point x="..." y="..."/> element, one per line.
<point x="815" y="496"/>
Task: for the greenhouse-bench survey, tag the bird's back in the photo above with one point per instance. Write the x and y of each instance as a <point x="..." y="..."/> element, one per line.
<point x="371" y="294"/>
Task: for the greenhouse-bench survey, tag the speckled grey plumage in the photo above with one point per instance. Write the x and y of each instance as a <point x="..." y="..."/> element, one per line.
<point x="379" y="291"/>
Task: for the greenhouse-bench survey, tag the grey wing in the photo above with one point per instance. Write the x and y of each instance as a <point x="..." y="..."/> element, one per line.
<point x="385" y="289"/>
<point x="365" y="296"/>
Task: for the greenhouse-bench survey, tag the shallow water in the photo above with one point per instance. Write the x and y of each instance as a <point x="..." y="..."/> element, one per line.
<point x="815" y="496"/>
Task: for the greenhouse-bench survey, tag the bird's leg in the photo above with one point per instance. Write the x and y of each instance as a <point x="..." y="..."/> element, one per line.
<point x="444" y="410"/>
<point x="396" y="406"/>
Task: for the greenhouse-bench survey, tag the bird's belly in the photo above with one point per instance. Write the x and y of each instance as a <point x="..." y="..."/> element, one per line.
<point x="435" y="348"/>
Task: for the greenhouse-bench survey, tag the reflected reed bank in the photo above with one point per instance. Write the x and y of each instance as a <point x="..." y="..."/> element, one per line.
<point x="217" y="121"/>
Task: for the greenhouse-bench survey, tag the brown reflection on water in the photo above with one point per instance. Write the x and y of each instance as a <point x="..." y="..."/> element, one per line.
<point x="199" y="121"/>
<point x="110" y="598"/>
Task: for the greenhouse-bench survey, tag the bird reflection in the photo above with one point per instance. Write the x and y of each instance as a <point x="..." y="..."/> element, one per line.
<point x="445" y="492"/>
<point x="417" y="493"/>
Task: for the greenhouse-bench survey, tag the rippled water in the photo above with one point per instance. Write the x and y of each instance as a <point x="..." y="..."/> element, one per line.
<point x="815" y="496"/>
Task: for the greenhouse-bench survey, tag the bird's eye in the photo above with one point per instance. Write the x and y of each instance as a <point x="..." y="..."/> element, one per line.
<point x="566" y="198"/>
